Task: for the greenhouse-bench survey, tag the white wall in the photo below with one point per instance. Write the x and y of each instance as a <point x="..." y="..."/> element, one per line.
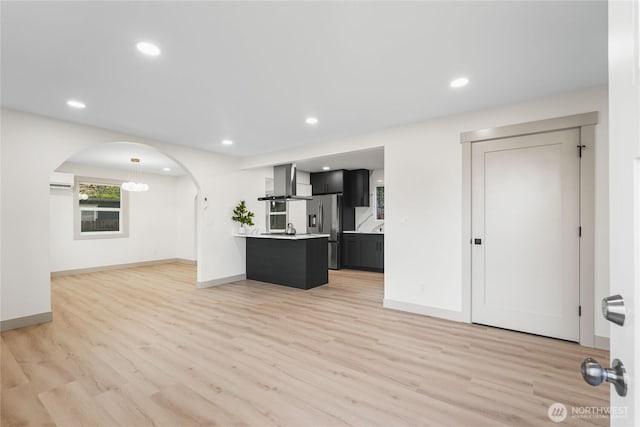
<point x="423" y="196"/>
<point x="33" y="146"/>
<point x="186" y="202"/>
<point x="156" y="230"/>
<point x="365" y="216"/>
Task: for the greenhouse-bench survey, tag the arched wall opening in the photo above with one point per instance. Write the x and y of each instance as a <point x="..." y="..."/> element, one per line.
<point x="33" y="146"/>
<point x="128" y="228"/>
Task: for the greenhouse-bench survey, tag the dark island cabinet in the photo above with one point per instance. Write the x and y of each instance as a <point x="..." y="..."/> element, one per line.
<point x="328" y="182"/>
<point x="363" y="251"/>
<point x="297" y="263"/>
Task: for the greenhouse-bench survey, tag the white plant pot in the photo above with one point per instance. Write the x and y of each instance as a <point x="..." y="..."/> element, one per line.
<point x="242" y="230"/>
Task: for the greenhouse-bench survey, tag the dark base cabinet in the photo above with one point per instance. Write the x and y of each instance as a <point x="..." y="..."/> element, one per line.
<point x="363" y="251"/>
<point x="299" y="264"/>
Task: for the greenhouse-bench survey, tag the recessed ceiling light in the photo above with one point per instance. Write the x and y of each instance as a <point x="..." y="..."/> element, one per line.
<point x="459" y="82"/>
<point x="379" y="180"/>
<point x="325" y="168"/>
<point x="76" y="104"/>
<point x="311" y="121"/>
<point x="227" y="142"/>
<point x="148" y="48"/>
<point x="166" y="169"/>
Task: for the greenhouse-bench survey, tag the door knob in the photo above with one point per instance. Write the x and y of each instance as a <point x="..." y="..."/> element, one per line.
<point x="594" y="374"/>
<point x="613" y="309"/>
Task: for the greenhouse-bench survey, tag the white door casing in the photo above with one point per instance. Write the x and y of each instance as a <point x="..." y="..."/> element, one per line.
<point x="526" y="211"/>
<point x="586" y="123"/>
<point x="624" y="199"/>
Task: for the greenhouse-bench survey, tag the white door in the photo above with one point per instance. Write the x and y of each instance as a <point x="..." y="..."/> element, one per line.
<point x="525" y="230"/>
<point x="624" y="199"/>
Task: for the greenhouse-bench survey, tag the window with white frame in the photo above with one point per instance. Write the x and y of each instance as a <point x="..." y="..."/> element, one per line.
<point x="101" y="209"/>
<point x="379" y="214"/>
<point x="278" y="215"/>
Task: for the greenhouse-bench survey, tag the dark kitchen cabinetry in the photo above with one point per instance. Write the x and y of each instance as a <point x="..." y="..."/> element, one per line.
<point x="363" y="251"/>
<point x="297" y="263"/>
<point x="353" y="184"/>
<point x="328" y="182"/>
<point x="350" y="251"/>
<point x="358" y="181"/>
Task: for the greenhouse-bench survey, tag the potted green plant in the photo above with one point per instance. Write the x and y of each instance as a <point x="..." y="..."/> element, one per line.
<point x="242" y="215"/>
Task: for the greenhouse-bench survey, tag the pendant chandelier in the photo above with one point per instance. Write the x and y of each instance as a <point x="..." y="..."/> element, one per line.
<point x="134" y="184"/>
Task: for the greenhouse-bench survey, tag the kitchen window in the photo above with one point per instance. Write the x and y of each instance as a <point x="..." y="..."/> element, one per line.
<point x="278" y="216"/>
<point x="100" y="209"/>
<point x="380" y="203"/>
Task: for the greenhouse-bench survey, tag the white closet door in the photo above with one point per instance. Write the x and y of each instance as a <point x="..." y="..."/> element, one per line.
<point x="525" y="227"/>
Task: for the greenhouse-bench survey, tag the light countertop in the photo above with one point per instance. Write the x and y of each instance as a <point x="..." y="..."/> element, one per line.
<point x="283" y="236"/>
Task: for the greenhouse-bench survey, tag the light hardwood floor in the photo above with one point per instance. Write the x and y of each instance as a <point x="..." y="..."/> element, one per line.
<point x="143" y="346"/>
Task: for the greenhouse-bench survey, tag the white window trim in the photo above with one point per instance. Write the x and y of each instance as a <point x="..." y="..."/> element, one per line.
<point x="270" y="214"/>
<point x="124" y="211"/>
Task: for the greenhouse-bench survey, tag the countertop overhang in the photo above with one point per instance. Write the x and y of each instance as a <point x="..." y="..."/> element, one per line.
<point x="283" y="236"/>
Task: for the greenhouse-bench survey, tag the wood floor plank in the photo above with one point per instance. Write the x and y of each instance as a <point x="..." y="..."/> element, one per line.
<point x="143" y="346"/>
<point x="11" y="373"/>
<point x="20" y="406"/>
<point x="71" y="405"/>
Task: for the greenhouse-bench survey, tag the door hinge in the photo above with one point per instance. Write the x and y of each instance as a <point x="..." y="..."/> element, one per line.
<point x="580" y="148"/>
<point x="579" y="311"/>
<point x="580" y="231"/>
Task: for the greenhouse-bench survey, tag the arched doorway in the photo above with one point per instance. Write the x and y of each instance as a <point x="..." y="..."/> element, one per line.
<point x="96" y="224"/>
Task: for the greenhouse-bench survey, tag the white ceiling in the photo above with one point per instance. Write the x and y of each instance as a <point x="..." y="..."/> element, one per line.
<point x="364" y="159"/>
<point x="252" y="71"/>
<point x="117" y="155"/>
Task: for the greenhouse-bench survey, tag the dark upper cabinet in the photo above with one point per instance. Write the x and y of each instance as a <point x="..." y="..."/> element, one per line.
<point x="363" y="251"/>
<point x="335" y="181"/>
<point x="328" y="182"/>
<point x="354" y="185"/>
<point x="318" y="183"/>
<point x="358" y="188"/>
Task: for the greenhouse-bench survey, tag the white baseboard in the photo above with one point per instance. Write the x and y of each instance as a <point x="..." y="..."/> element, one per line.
<point x="601" y="342"/>
<point x="222" y="281"/>
<point x="441" y="313"/>
<point x="23" y="322"/>
<point x="119" y="266"/>
<point x="186" y="261"/>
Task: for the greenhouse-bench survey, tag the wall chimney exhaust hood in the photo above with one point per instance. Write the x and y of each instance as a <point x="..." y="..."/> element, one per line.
<point x="284" y="184"/>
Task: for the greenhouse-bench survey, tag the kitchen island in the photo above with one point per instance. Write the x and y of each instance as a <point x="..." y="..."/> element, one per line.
<point x="298" y="261"/>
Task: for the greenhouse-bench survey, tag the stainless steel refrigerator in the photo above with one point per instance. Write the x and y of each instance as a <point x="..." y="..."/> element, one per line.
<point x="324" y="216"/>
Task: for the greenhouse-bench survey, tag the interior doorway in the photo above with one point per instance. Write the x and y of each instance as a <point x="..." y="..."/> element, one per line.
<point x="108" y="212"/>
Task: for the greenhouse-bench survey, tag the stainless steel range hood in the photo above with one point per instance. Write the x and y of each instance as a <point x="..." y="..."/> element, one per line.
<point x="284" y="184"/>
